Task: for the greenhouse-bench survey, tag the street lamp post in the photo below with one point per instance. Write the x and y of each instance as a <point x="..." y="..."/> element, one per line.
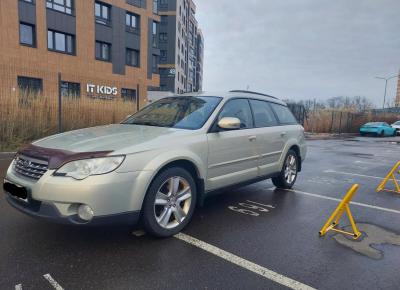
<point x="386" y="83"/>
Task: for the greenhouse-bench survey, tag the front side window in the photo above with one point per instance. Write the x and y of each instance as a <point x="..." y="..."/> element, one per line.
<point x="69" y="89"/>
<point x="238" y="108"/>
<point x="65" y="6"/>
<point x="102" y="13"/>
<point x="60" y="42"/>
<point x="284" y="115"/>
<point x="263" y="114"/>
<point x="103" y="51"/>
<point x="132" y="57"/>
<point x="27" y="34"/>
<point x="176" y="112"/>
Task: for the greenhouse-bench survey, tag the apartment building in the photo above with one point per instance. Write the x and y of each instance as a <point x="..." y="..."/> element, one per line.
<point x="180" y="64"/>
<point x="104" y="49"/>
<point x="397" y="100"/>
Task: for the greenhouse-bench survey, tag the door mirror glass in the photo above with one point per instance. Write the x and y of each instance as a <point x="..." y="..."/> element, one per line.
<point x="229" y="123"/>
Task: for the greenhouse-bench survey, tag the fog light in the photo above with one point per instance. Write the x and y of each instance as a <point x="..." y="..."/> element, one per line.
<point x="85" y="212"/>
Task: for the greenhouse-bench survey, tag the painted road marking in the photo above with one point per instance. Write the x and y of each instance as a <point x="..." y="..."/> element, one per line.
<point x="53" y="282"/>
<point x="250" y="266"/>
<point x="354" y="174"/>
<point x="18" y="287"/>
<point x="339" y="200"/>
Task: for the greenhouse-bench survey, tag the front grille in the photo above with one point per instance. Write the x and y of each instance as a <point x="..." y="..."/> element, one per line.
<point x="30" y="167"/>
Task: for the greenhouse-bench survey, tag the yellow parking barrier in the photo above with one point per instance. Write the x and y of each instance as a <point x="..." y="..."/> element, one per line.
<point x="390" y="176"/>
<point x="334" y="219"/>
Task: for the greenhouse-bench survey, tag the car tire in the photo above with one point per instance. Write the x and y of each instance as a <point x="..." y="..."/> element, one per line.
<point x="169" y="202"/>
<point x="287" y="177"/>
<point x="382" y="134"/>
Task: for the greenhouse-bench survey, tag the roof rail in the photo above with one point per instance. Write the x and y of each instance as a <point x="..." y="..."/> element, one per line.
<point x="250" y="92"/>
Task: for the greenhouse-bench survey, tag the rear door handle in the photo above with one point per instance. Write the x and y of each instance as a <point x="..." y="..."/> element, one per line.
<point x="283" y="134"/>
<point x="252" y="138"/>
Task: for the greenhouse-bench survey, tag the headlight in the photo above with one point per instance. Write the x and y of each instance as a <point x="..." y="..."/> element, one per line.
<point x="81" y="169"/>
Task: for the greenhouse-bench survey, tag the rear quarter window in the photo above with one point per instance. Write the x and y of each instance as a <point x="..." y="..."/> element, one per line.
<point x="284" y="115"/>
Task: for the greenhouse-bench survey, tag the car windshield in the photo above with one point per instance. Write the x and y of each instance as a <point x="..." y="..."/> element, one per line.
<point x="176" y="112"/>
<point x="397" y="123"/>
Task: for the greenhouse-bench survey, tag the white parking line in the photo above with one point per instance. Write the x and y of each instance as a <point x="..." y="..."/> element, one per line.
<point x="250" y="266"/>
<point x="354" y="174"/>
<point x="18" y="287"/>
<point x="339" y="200"/>
<point x="53" y="282"/>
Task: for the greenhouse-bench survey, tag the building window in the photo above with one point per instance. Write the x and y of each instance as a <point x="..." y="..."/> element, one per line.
<point x="137" y="3"/>
<point x="30" y="86"/>
<point x="69" y="89"/>
<point x="163" y="37"/>
<point x="27" y="35"/>
<point x="163" y="3"/>
<point x="164" y="20"/>
<point x="132" y="57"/>
<point x="29" y="1"/>
<point x="155" y="6"/>
<point x="154" y="34"/>
<point x="155" y="64"/>
<point x="128" y="95"/>
<point x="65" y="6"/>
<point x="132" y="22"/>
<point x="103" y="51"/>
<point x="103" y="13"/>
<point x="163" y="55"/>
<point x="60" y="42"/>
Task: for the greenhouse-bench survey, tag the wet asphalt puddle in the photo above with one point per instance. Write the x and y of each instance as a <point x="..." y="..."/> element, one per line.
<point x="371" y="242"/>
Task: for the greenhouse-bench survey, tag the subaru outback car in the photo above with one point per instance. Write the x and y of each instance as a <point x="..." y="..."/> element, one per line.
<point x="159" y="163"/>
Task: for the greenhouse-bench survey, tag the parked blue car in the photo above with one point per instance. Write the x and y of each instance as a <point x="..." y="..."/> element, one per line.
<point x="380" y="129"/>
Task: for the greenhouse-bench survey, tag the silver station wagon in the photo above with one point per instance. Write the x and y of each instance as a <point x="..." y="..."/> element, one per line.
<point x="159" y="163"/>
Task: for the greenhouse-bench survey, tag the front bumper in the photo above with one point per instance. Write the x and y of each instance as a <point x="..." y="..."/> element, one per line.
<point x="48" y="211"/>
<point x="115" y="198"/>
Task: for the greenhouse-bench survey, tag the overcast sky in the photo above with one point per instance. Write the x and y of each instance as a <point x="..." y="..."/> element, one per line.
<point x="300" y="49"/>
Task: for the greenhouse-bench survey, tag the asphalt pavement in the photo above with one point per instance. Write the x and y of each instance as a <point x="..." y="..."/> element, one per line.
<point x="254" y="237"/>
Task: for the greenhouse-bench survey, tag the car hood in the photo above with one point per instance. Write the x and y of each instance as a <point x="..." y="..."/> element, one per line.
<point x="114" y="137"/>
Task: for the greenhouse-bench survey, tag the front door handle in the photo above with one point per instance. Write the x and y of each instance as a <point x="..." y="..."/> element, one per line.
<point x="252" y="138"/>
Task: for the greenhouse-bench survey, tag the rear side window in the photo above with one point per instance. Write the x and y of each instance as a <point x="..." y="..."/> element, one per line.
<point x="284" y="115"/>
<point x="263" y="114"/>
<point x="238" y="108"/>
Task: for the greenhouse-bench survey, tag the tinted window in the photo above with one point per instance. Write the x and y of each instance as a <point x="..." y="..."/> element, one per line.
<point x="240" y="109"/>
<point x="263" y="114"/>
<point x="284" y="115"/>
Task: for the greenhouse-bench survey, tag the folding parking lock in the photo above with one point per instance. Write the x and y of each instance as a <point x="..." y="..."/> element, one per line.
<point x="391" y="176"/>
<point x="334" y="219"/>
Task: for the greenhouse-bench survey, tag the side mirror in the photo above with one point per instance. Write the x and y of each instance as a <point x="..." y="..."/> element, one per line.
<point x="229" y="123"/>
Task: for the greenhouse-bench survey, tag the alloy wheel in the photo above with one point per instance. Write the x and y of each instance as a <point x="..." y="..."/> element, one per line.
<point x="172" y="202"/>
<point x="290" y="169"/>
